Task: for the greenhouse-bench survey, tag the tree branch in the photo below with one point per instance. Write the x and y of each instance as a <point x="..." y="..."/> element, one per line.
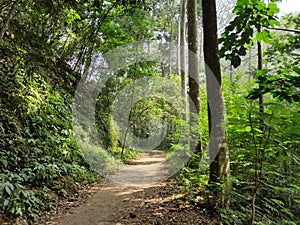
<point x="284" y="29"/>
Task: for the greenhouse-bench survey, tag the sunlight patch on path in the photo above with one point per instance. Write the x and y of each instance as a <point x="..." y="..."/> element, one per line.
<point x="147" y="170"/>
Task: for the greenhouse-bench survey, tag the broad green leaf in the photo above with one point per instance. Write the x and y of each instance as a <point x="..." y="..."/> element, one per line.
<point x="262" y="72"/>
<point x="9" y="188"/>
<point x="274" y="23"/>
<point x="6" y="202"/>
<point x="272" y="8"/>
<point x="264" y="36"/>
<point x="297" y="69"/>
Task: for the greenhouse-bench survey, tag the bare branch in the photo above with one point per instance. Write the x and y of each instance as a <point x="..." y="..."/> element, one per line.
<point x="284" y="29"/>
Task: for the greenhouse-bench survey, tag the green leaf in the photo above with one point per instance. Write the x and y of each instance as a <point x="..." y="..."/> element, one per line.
<point x="262" y="72"/>
<point x="264" y="36"/>
<point x="240" y="3"/>
<point x="9" y="188"/>
<point x="296" y="69"/>
<point x="277" y="202"/>
<point x="6" y="202"/>
<point x="288" y="212"/>
<point x="274" y="23"/>
<point x="272" y="8"/>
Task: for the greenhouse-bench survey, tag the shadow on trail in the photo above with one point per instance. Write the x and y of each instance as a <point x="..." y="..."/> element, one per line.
<point x="113" y="202"/>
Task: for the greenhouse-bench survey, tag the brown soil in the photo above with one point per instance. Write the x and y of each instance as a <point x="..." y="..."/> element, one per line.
<point x="137" y="195"/>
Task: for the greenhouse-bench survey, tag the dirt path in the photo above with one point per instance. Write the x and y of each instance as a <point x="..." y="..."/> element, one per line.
<point x="112" y="203"/>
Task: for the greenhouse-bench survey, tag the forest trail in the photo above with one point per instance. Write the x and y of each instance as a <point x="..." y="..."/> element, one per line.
<point x="113" y="203"/>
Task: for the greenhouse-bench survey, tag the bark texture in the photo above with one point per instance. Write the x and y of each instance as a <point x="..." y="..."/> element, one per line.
<point x="182" y="57"/>
<point x="193" y="69"/>
<point x="218" y="149"/>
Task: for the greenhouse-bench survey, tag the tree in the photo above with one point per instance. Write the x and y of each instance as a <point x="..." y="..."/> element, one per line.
<point x="44" y="47"/>
<point x="193" y="65"/>
<point x="236" y="38"/>
<point x="218" y="149"/>
<point x="281" y="78"/>
<point x="182" y="55"/>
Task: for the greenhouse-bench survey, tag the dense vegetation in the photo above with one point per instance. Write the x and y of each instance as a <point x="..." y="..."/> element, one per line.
<point x="48" y="47"/>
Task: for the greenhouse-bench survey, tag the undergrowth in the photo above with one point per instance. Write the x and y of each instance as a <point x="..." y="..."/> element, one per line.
<point x="264" y="165"/>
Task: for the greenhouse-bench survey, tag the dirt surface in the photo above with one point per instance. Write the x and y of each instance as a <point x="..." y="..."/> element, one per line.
<point x="145" y="171"/>
<point x="138" y="194"/>
<point x="110" y="204"/>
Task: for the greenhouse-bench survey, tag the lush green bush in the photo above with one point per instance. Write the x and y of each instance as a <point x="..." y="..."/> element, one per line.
<point x="38" y="152"/>
<point x="264" y="165"/>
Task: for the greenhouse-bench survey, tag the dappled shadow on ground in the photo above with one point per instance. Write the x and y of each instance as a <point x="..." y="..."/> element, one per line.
<point x="167" y="204"/>
<point x="136" y="200"/>
<point x="160" y="204"/>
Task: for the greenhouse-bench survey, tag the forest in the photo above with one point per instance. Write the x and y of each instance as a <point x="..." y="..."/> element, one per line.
<point x="88" y="87"/>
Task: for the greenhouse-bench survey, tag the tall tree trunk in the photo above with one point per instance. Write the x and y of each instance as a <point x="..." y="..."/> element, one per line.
<point x="182" y="57"/>
<point x="218" y="149"/>
<point x="262" y="129"/>
<point x="261" y="97"/>
<point x="193" y="66"/>
<point x="171" y="37"/>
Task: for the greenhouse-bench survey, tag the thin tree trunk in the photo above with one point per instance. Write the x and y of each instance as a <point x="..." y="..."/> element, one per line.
<point x="182" y="57"/>
<point x="171" y="39"/>
<point x="129" y="121"/>
<point x="262" y="129"/>
<point x="193" y="67"/>
<point x="171" y="52"/>
<point x="231" y="73"/>
<point x="261" y="97"/>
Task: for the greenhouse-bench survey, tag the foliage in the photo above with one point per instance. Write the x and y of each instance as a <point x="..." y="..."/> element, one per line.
<point x="282" y="50"/>
<point x="254" y="154"/>
<point x="45" y="46"/>
<point x="38" y="152"/>
<point x="37" y="145"/>
<point x="270" y="159"/>
<point x="281" y="79"/>
<point x="195" y="174"/>
<point x="283" y="83"/>
<point x="254" y="135"/>
<point x="251" y="16"/>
